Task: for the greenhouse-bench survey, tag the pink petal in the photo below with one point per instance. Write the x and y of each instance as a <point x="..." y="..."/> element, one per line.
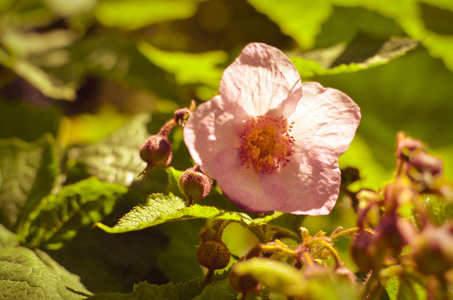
<point x="260" y="79"/>
<point x="213" y="127"/>
<point x="325" y="119"/>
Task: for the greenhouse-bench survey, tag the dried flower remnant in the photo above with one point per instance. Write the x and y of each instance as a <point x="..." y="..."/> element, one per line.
<point x="270" y="141"/>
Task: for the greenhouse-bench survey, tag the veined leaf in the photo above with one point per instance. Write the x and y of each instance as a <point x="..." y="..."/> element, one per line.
<point x="439" y="210"/>
<point x="27" y="274"/>
<point x="219" y="291"/>
<point x="363" y="53"/>
<point x="115" y="159"/>
<point x="143" y="290"/>
<point x="58" y="217"/>
<point x="27" y="174"/>
<point x="162" y="209"/>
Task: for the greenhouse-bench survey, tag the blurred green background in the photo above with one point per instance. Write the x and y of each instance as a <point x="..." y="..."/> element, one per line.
<point x="79" y="70"/>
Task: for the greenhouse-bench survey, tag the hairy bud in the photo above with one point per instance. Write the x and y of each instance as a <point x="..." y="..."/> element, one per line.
<point x="366" y="253"/>
<point x="156" y="152"/>
<point x="213" y="255"/>
<point x="194" y="184"/>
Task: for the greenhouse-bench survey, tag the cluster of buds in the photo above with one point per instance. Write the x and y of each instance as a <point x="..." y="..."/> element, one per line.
<point x="304" y="257"/>
<point x="156" y="150"/>
<point x="212" y="253"/>
<point x="396" y="219"/>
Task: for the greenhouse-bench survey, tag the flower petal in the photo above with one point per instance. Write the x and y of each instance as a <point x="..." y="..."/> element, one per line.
<point x="213" y="127"/>
<point x="260" y="79"/>
<point x="325" y="118"/>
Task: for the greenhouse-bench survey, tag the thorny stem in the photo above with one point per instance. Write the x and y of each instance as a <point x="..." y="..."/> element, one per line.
<point x="369" y="286"/>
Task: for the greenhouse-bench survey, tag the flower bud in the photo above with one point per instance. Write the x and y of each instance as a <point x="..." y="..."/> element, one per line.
<point x="433" y="249"/>
<point x="194" y="184"/>
<point x="181" y="116"/>
<point x="365" y="252"/>
<point x="156" y="151"/>
<point x="427" y="163"/>
<point x="213" y="255"/>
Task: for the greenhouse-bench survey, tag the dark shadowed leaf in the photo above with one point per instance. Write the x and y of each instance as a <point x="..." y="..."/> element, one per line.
<point x="143" y="290"/>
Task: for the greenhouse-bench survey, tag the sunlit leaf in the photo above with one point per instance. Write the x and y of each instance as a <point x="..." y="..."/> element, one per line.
<point x="300" y="19"/>
<point x="406" y="286"/>
<point x="26" y="274"/>
<point x="278" y="276"/>
<point x="136" y="14"/>
<point x="143" y="290"/>
<point x="361" y="54"/>
<point x="114" y="159"/>
<point x="189" y="68"/>
<point x="27" y="174"/>
<point x="161" y="209"/>
<point x="58" y="217"/>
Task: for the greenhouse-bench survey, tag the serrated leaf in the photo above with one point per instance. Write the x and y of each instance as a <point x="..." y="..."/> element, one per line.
<point x="161" y="209"/>
<point x="363" y="53"/>
<point x="27" y="174"/>
<point x="221" y="290"/>
<point x="405" y="287"/>
<point x="58" y="217"/>
<point x="136" y="14"/>
<point x="116" y="158"/>
<point x="34" y="275"/>
<point x="143" y="290"/>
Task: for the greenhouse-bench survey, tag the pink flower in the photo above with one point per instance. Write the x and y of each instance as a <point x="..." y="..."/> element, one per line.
<point x="270" y="141"/>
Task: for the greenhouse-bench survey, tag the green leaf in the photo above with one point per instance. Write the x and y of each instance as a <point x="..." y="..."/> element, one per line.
<point x="407" y="286"/>
<point x="189" y="68"/>
<point x="20" y="120"/>
<point x="47" y="84"/>
<point x="135" y="14"/>
<point x="27" y="174"/>
<point x="221" y="290"/>
<point x="363" y="53"/>
<point x="161" y="209"/>
<point x="300" y="19"/>
<point x="116" y="158"/>
<point x="7" y="238"/>
<point x="439" y="210"/>
<point x="278" y="276"/>
<point x="143" y="290"/>
<point x="179" y="259"/>
<point x="58" y="217"/>
<point x="26" y="274"/>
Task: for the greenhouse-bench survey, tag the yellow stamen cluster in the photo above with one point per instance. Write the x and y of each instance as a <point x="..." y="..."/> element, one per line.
<point x="266" y="143"/>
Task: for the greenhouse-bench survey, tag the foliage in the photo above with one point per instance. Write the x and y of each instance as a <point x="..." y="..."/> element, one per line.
<point x="84" y="83"/>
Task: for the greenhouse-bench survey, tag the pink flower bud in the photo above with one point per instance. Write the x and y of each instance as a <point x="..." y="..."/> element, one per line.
<point x="156" y="151"/>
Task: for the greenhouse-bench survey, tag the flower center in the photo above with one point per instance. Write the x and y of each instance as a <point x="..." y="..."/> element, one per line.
<point x="266" y="143"/>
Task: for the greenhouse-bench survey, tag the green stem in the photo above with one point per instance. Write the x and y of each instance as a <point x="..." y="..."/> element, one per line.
<point x="333" y="251"/>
